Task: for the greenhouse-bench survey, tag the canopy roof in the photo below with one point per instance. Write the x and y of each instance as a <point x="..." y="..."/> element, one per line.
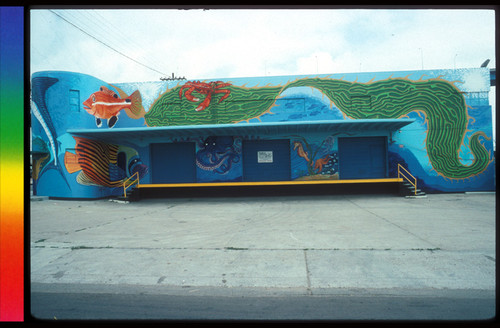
<point x="262" y="128"/>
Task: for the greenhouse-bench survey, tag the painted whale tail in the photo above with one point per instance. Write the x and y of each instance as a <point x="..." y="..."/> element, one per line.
<point x="39" y="87"/>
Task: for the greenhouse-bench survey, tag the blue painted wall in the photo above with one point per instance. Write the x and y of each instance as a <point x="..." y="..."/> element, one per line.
<point x="448" y="147"/>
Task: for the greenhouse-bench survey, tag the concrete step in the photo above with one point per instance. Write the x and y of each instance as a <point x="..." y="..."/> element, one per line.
<point x="408" y="189"/>
<point x="132" y="195"/>
<point x="122" y="200"/>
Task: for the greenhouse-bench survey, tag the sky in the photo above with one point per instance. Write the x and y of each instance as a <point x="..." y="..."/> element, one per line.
<point x="129" y="45"/>
<point x="120" y="45"/>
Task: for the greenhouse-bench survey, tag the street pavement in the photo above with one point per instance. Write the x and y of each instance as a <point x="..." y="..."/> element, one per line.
<point x="355" y="244"/>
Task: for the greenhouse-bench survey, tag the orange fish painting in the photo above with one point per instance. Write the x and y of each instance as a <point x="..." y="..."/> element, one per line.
<point x="107" y="104"/>
<point x="103" y="164"/>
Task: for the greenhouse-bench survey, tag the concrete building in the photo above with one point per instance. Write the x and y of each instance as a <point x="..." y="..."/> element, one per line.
<point x="89" y="137"/>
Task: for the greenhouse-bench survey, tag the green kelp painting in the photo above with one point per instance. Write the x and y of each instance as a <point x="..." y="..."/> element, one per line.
<point x="441" y="102"/>
<point x="241" y="104"/>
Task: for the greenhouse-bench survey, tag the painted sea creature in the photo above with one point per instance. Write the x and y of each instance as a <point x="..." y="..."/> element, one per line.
<point x="318" y="165"/>
<point x="297" y="145"/>
<point x="107" y="104"/>
<point x="40" y="156"/>
<point x="440" y="100"/>
<point x="327" y="165"/>
<point x="37" y="163"/>
<point x="102" y="164"/>
<point x="218" y="154"/>
<point x="39" y="87"/>
<point x="243" y="104"/>
<point x="207" y="89"/>
<point x="442" y="103"/>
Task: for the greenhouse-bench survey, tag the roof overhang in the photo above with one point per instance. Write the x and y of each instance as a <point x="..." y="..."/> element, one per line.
<point x="263" y="128"/>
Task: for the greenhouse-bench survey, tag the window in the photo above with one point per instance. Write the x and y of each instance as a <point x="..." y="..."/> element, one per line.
<point x="74" y="100"/>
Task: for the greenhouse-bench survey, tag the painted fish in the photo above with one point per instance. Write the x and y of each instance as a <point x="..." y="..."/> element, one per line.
<point x="107" y="104"/>
<point x="102" y="164"/>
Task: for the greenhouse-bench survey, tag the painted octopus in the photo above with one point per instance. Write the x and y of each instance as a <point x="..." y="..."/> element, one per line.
<point x="217" y="154"/>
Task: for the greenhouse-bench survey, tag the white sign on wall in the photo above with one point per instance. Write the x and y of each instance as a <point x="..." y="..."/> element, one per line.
<point x="264" y="156"/>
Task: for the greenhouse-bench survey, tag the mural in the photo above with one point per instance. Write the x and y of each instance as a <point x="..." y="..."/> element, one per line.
<point x="448" y="147"/>
<point x="439" y="100"/>
<point x="47" y="143"/>
<point x="217" y="154"/>
<point x="106" y="104"/>
<point x="206" y="89"/>
<point x="312" y="161"/>
<point x="240" y="104"/>
<point x="41" y="156"/>
<point x="102" y="164"/>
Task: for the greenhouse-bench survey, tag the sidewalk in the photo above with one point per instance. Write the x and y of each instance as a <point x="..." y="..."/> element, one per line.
<point x="301" y="244"/>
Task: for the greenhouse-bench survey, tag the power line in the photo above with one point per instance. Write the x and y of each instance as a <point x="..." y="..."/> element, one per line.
<point x="87" y="22"/>
<point x="119" y="52"/>
<point x="151" y="58"/>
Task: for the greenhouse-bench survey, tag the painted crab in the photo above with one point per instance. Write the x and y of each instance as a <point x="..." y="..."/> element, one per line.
<point x="203" y="88"/>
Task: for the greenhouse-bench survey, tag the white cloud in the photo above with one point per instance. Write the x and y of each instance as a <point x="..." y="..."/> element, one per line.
<point x="241" y="43"/>
<point x="320" y="62"/>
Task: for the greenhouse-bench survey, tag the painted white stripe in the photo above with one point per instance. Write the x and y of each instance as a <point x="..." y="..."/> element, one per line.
<point x="111" y="104"/>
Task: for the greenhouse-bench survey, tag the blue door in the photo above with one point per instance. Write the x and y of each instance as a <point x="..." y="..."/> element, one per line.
<point x="363" y="158"/>
<point x="173" y="162"/>
<point x="266" y="160"/>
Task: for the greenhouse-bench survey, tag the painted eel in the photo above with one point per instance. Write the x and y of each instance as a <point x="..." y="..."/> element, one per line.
<point x="441" y="102"/>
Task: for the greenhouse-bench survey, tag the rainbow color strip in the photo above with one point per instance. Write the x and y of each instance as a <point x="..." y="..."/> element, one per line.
<point x="11" y="164"/>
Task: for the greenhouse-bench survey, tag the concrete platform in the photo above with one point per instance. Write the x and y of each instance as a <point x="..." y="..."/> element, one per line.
<point x="311" y="244"/>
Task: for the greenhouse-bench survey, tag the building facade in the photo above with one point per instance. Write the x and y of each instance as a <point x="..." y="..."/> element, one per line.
<point x="89" y="136"/>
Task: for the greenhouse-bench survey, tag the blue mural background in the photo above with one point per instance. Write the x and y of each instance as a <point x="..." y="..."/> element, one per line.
<point x="58" y="106"/>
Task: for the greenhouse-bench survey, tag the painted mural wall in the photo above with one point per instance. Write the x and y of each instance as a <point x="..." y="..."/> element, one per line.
<point x="448" y="147"/>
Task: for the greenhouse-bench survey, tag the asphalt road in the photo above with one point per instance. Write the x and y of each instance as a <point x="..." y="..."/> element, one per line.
<point x="120" y="306"/>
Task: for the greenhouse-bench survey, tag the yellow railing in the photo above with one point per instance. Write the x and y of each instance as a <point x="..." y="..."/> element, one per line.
<point x="402" y="173"/>
<point x="125" y="186"/>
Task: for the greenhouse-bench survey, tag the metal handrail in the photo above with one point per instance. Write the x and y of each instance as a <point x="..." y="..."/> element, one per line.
<point x="401" y="174"/>
<point x="126" y="187"/>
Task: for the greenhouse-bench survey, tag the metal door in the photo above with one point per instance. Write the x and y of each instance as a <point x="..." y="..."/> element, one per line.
<point x="266" y="160"/>
<point x="363" y="157"/>
<point x="173" y="162"/>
